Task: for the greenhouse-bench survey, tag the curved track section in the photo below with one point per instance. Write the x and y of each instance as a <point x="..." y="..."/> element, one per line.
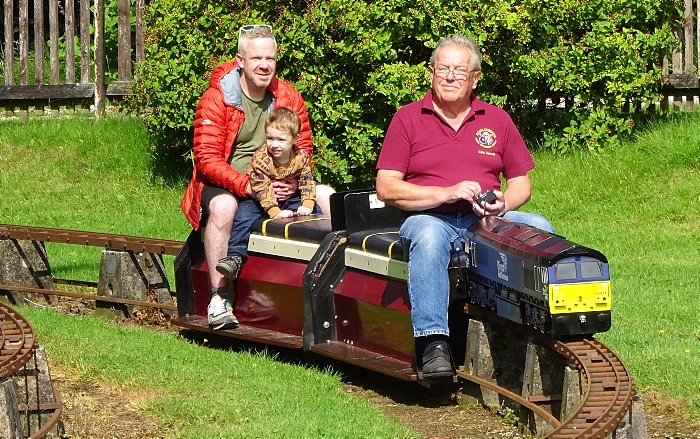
<point x="17" y="346"/>
<point x="17" y="341"/>
<point x="609" y="388"/>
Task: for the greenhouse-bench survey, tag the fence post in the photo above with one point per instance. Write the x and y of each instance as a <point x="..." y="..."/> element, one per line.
<point x="124" y="36"/>
<point x="99" y="59"/>
<point x="9" y="50"/>
<point x="688" y="38"/>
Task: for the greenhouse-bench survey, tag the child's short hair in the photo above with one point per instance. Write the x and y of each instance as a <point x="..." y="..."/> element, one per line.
<point x="284" y="118"/>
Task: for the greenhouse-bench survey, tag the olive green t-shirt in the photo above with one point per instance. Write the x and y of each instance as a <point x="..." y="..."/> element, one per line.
<point x="252" y="133"/>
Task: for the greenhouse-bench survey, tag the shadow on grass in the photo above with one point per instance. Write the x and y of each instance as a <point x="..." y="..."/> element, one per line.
<point x="399" y="391"/>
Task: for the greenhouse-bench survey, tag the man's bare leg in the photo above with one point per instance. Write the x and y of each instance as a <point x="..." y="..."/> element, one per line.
<point x="222" y="209"/>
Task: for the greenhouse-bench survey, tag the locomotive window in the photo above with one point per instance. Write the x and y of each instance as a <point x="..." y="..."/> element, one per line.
<point x="591" y="269"/>
<point x="565" y="271"/>
<point x="529" y="278"/>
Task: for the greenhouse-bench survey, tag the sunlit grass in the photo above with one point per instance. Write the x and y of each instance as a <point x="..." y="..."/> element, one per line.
<point x="78" y="173"/>
<point x="201" y="392"/>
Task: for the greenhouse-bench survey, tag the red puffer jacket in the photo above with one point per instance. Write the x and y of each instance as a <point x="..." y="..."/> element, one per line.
<point x="217" y="122"/>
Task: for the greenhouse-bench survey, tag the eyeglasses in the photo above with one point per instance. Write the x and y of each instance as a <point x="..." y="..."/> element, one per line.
<point x="250" y="27"/>
<point x="459" y="73"/>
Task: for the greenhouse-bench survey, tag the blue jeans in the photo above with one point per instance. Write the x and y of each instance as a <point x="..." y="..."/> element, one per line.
<point x="248" y="212"/>
<point x="428" y="240"/>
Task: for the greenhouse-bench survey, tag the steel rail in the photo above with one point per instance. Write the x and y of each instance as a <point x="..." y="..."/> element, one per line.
<point x="609" y="388"/>
<point x="106" y="240"/>
<point x="117" y="300"/>
<point x="510" y="395"/>
<point x="56" y="406"/>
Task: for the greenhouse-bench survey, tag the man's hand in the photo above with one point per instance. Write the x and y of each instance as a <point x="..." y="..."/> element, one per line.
<point x="490" y="209"/>
<point x="465" y="190"/>
<point x="285" y="188"/>
<point x="303" y="211"/>
<point x="249" y="191"/>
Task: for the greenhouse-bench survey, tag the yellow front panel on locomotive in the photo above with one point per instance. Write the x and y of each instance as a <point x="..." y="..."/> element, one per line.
<point x="579" y="297"/>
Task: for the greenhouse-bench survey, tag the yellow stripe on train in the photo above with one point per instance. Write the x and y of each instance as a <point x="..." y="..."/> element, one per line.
<point x="579" y="297"/>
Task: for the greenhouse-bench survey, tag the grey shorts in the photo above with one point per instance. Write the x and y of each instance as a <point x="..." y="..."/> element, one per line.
<point x="208" y="194"/>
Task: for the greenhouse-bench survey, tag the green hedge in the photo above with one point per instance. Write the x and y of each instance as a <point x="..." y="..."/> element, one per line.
<point x="355" y="62"/>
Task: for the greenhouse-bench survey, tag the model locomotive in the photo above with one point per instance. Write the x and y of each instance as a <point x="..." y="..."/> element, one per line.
<point x="337" y="286"/>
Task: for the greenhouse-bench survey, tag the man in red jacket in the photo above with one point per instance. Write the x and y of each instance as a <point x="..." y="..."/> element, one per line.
<point x="228" y="129"/>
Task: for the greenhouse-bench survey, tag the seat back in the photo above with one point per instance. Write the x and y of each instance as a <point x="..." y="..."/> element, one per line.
<point x="358" y="210"/>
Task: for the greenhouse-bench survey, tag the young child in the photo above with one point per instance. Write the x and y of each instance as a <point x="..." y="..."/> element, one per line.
<point x="277" y="159"/>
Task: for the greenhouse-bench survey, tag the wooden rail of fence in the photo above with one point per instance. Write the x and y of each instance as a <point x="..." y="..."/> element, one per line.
<point x="63" y="89"/>
<point x="58" y="86"/>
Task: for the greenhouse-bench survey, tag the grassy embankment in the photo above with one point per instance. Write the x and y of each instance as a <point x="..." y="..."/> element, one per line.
<point x="636" y="204"/>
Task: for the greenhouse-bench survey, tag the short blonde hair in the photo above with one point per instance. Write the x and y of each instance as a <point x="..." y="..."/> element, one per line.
<point x="257" y="32"/>
<point x="284" y="118"/>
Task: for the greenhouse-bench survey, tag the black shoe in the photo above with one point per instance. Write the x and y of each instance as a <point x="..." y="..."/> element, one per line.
<point x="436" y="361"/>
<point x="230" y="266"/>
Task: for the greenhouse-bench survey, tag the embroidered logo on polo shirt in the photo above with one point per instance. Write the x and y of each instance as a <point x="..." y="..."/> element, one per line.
<point x="486" y="138"/>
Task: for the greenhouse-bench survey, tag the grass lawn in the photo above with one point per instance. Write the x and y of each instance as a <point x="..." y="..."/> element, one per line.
<point x="637" y="204"/>
<point x="198" y="392"/>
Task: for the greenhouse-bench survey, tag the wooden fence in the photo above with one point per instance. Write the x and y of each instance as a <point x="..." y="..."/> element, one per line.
<point x="683" y="88"/>
<point x="56" y="86"/>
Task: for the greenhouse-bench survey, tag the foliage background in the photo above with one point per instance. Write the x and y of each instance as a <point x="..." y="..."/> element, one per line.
<point x="355" y="62"/>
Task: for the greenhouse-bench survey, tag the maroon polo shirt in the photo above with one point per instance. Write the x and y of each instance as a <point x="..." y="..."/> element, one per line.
<point x="423" y="146"/>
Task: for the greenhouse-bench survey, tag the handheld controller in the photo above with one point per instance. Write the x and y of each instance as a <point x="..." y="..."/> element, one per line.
<point x="487" y="197"/>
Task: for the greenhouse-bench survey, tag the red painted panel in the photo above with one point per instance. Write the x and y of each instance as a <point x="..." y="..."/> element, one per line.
<point x="372" y="288"/>
<point x="274" y="283"/>
<point x="201" y="286"/>
<point x="374" y="328"/>
<point x="275" y="270"/>
<point x="373" y="313"/>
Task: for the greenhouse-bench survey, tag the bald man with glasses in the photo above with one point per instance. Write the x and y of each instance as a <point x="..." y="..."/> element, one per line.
<point x="438" y="156"/>
<point x="229" y="127"/>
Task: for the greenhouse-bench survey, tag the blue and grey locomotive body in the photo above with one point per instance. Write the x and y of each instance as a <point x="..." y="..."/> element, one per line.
<point x="537" y="278"/>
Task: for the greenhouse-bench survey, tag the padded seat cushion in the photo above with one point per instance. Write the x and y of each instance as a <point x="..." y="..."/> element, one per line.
<point x="382" y="242"/>
<point x="312" y="228"/>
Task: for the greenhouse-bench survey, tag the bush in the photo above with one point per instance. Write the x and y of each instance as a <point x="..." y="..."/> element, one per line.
<point x="355" y="62"/>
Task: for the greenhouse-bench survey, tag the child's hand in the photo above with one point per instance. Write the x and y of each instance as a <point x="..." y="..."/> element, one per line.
<point x="303" y="211"/>
<point x="285" y="214"/>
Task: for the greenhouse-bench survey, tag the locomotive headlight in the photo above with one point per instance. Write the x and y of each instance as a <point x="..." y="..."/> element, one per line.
<point x="603" y="295"/>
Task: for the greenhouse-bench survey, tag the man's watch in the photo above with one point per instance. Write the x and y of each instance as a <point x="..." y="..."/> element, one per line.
<point x="502" y="213"/>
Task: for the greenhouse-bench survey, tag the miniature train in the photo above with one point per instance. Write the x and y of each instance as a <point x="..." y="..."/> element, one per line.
<point x="337" y="286"/>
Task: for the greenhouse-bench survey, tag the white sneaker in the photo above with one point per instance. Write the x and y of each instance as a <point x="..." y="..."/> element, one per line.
<point x="220" y="313"/>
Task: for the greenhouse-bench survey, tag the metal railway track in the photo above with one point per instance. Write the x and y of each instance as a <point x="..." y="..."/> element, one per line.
<point x="609" y="388"/>
<point x="17" y="341"/>
<point x="106" y="240"/>
<point x="17" y="346"/>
